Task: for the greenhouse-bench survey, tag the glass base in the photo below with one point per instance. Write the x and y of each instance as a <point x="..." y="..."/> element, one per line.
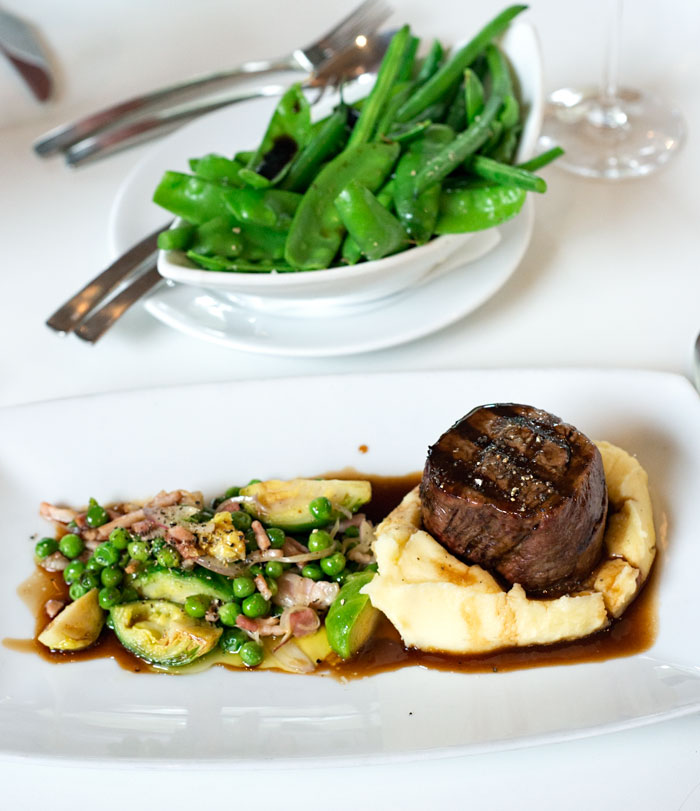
<point x="630" y="135"/>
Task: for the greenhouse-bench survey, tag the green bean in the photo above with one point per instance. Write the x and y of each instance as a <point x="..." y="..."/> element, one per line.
<point x="452" y="71"/>
<point x="239" y="265"/>
<point x="386" y="78"/>
<point x="374" y="229"/>
<point x="191" y="198"/>
<point x="431" y="62"/>
<point x="270" y="208"/>
<point x="317" y="230"/>
<point x="408" y="133"/>
<point x="477" y="207"/>
<point x="326" y="143"/>
<point x="176" y="239"/>
<point x="457" y="114"/>
<point x="253" y="180"/>
<point x="288" y="132"/>
<point x="399" y="93"/>
<point x="505" y="175"/>
<point x="473" y="95"/>
<point x="542" y="160"/>
<point x="351" y="253"/>
<point x="217" y="168"/>
<point x="467" y="142"/>
<point x="408" y="60"/>
<point x="418" y="213"/>
<point x="217" y="237"/>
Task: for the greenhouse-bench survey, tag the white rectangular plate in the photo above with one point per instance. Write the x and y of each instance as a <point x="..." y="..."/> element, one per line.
<point x="130" y="445"/>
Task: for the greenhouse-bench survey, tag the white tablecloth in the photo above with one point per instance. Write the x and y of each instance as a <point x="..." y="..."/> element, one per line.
<point x="610" y="280"/>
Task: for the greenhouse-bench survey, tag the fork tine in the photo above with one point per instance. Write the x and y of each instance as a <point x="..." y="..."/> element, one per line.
<point x="365" y="19"/>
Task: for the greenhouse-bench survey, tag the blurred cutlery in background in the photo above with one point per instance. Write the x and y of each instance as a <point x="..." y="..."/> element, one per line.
<point x="351" y="31"/>
<point x="20" y="43"/>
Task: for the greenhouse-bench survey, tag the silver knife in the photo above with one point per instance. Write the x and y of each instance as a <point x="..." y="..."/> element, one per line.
<point x="20" y="43"/>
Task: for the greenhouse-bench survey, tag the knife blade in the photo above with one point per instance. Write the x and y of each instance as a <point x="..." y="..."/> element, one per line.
<point x="20" y="43"/>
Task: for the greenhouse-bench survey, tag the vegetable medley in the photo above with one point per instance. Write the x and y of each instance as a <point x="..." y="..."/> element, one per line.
<point x="429" y="151"/>
<point x="268" y="575"/>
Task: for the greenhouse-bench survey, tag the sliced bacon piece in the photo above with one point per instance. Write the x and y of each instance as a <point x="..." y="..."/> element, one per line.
<point x="263" y="626"/>
<point x="261" y="585"/>
<point x="55" y="562"/>
<point x="125" y="521"/>
<point x="163" y="499"/>
<point x="304" y="621"/>
<point x="294" y="590"/>
<point x="261" y="537"/>
<point x="228" y="506"/>
<point x="62" y="515"/>
<point x="53" y="607"/>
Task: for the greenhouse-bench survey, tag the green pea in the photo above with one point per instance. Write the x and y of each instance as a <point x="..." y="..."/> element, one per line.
<point x="109" y="622"/>
<point x="138" y="550"/>
<point x="92" y="564"/>
<point x="274" y="569"/>
<point x="272" y="585"/>
<point x="168" y="557"/>
<point x="251" y="654"/>
<point x="232" y="492"/>
<point x="241" y="520"/>
<point x="106" y="554"/>
<point x="312" y="571"/>
<point x="277" y="537"/>
<point x="45" y="547"/>
<point x="321" y="509"/>
<point x="71" y="545"/>
<point x="73" y="571"/>
<point x="96" y="515"/>
<point x="109" y="596"/>
<point x="319" y="540"/>
<point x="89" y="580"/>
<point x="124" y="560"/>
<point x="243" y="587"/>
<point x="342" y="577"/>
<point x="156" y="545"/>
<point x="253" y="481"/>
<point x="228" y="613"/>
<point x="76" y="591"/>
<point x="129" y="594"/>
<point x="352" y="532"/>
<point x="233" y="639"/>
<point x="256" y="569"/>
<point x="111" y="576"/>
<point x="255" y="606"/>
<point x="197" y="605"/>
<point x="119" y="538"/>
<point x="333" y="564"/>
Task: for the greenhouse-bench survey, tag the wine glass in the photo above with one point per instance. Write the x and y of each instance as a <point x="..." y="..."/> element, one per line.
<point x="611" y="132"/>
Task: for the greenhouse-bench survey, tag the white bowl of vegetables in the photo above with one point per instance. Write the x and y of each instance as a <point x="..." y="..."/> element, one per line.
<point x="361" y="201"/>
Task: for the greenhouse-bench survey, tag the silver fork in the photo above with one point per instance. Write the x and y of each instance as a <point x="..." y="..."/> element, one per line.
<point x="365" y="19"/>
<point x="342" y="67"/>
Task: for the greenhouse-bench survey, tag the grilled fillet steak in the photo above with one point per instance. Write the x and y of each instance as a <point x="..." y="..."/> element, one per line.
<point x="519" y="492"/>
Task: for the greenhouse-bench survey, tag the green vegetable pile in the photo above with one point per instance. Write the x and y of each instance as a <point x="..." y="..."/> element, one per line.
<point x="429" y="151"/>
<point x="171" y="608"/>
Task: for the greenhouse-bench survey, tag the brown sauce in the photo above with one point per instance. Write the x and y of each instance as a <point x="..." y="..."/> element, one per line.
<point x="633" y="633"/>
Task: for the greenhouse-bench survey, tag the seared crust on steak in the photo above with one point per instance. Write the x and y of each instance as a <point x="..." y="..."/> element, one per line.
<point x="519" y="492"/>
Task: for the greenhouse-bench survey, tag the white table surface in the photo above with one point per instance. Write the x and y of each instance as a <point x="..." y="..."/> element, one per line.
<point x="610" y="280"/>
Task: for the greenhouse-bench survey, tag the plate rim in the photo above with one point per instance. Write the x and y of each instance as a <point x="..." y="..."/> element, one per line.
<point x="679" y="382"/>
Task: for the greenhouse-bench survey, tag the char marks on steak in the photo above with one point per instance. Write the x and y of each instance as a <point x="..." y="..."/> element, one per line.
<point x="521" y="493"/>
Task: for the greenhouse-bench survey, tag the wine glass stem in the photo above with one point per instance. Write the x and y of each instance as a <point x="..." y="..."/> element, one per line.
<point x="611" y="68"/>
<point x="608" y="113"/>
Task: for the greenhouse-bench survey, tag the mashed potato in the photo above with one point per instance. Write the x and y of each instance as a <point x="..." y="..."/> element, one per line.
<point x="438" y="603"/>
